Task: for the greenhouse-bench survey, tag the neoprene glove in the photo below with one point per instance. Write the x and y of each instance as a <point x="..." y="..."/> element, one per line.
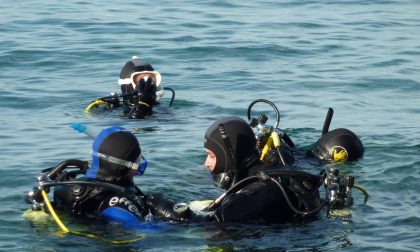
<point x="167" y="209"/>
<point x="147" y="87"/>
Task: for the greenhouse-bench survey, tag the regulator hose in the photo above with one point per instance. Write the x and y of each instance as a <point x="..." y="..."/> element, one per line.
<point x="365" y="193"/>
<point x="290" y="204"/>
<point x="236" y="187"/>
<point x="54" y="172"/>
<point x="94" y="104"/>
<point x="173" y="95"/>
<point x="267" y="102"/>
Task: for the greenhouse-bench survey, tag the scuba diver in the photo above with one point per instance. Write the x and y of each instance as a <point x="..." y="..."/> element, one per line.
<point x="104" y="190"/>
<point x="141" y="90"/>
<point x="337" y="145"/>
<point x="255" y="190"/>
<point x="255" y="164"/>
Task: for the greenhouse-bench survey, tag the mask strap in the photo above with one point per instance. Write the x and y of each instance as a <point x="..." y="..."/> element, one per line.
<point x="139" y="166"/>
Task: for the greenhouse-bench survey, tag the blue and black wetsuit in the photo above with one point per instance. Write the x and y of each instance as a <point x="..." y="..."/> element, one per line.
<point x="134" y="210"/>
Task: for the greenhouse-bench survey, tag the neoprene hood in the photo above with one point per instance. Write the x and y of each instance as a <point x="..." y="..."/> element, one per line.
<point x="118" y="143"/>
<point x="233" y="142"/>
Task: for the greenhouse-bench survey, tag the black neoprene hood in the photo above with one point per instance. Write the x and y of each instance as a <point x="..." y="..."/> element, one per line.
<point x="116" y="143"/>
<point x="241" y="138"/>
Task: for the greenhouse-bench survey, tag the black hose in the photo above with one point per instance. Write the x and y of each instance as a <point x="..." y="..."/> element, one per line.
<point x="290" y="204"/>
<point x="234" y="188"/>
<point x="276" y="172"/>
<point x="293" y="173"/>
<point x="173" y="95"/>
<point x="82" y="165"/>
<point x="287" y="139"/>
<point x="246" y="181"/>
<point x="269" y="103"/>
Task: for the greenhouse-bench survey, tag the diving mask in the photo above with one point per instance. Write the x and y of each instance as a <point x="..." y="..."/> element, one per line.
<point x="139" y="165"/>
<point x="153" y="75"/>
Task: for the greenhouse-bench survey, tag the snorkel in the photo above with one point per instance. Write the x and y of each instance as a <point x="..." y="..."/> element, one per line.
<point x="81" y="128"/>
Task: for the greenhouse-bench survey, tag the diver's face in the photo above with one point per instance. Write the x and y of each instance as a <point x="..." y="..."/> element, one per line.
<point x="210" y="162"/>
<point x="145" y="76"/>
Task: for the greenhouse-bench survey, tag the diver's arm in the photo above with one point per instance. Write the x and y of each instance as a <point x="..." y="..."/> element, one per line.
<point x="120" y="215"/>
<point x="120" y="210"/>
<point x="167" y="209"/>
<point x="117" y="208"/>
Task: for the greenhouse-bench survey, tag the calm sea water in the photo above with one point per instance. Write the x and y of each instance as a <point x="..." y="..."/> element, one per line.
<point x="359" y="57"/>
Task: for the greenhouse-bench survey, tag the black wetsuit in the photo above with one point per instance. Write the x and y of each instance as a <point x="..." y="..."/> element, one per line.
<point x="263" y="200"/>
<point x="96" y="202"/>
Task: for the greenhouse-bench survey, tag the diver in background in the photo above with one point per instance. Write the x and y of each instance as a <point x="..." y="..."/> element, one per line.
<point x="255" y="191"/>
<point x="106" y="190"/>
<point x="141" y="90"/>
<point x="139" y="78"/>
<point x="337" y="145"/>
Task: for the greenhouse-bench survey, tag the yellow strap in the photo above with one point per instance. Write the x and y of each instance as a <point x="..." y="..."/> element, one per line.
<point x="94" y="104"/>
<point x="139" y="237"/>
